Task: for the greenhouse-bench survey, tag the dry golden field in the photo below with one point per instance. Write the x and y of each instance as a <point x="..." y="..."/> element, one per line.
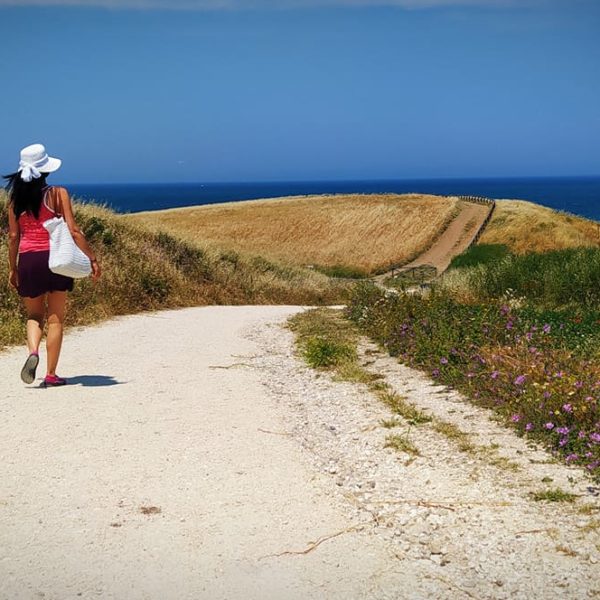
<point x="365" y="232"/>
<point x="528" y="227"/>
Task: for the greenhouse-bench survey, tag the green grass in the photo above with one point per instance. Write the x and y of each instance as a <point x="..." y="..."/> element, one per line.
<point x="320" y="352"/>
<point x="480" y="254"/>
<point x="554" y="495"/>
<point x="401" y="443"/>
<point x="342" y="271"/>
<point x="557" y="279"/>
<point x="405" y="409"/>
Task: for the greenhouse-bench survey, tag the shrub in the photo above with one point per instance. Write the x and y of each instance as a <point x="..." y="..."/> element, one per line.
<point x="320" y="352"/>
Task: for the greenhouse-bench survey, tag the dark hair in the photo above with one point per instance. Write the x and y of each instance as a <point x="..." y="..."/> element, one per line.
<point x="25" y="196"/>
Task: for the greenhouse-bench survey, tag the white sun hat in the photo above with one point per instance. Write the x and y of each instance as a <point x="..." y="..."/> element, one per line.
<point x="35" y="161"/>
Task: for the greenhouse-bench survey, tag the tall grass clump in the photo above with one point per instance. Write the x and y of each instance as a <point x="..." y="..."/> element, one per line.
<point x="144" y="269"/>
<point x="480" y="254"/>
<point x="558" y="278"/>
<point x="538" y="368"/>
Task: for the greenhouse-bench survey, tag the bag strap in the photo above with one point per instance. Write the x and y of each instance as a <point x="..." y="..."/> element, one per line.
<point x="55" y="201"/>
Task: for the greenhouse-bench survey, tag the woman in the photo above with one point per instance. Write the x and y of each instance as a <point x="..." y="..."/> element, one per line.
<point x="31" y="202"/>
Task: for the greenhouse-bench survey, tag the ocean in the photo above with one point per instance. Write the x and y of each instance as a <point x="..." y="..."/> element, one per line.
<point x="577" y="195"/>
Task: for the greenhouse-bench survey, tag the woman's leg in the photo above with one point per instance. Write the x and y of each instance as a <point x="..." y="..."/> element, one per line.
<point x="56" y="315"/>
<point x="35" y="322"/>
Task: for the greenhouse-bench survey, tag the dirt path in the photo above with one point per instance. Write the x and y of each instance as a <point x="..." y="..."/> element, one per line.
<point x="453" y="241"/>
<point x="194" y="457"/>
<point x="164" y="471"/>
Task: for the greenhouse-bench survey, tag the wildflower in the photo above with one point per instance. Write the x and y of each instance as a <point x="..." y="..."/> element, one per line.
<point x="509" y="325"/>
<point x="549" y="425"/>
<point x="568" y="408"/>
<point x="578" y="384"/>
<point x="546" y="328"/>
<point x="444" y="360"/>
<point x="494" y="374"/>
<point x="547" y="394"/>
<point x="435" y="373"/>
<point x="529" y="427"/>
<point x="595" y="437"/>
<point x="515" y="418"/>
<point x="562" y="430"/>
<point x="571" y="457"/>
<point x="563" y="442"/>
<point x="558" y="374"/>
<point x="520" y="380"/>
<point x="581" y="435"/>
<point x="529" y="336"/>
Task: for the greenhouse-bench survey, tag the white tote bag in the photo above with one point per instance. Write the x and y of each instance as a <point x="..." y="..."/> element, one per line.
<point x="66" y="258"/>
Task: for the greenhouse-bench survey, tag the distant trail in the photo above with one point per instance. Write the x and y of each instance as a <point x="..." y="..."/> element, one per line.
<point x="454" y="240"/>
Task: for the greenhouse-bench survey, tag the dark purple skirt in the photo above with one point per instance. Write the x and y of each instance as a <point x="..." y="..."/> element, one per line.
<point x="35" y="278"/>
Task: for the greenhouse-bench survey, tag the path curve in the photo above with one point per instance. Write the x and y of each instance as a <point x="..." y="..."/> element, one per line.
<point x="164" y="472"/>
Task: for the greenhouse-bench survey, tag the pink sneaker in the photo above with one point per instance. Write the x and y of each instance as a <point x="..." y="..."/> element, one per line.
<point x="53" y="381"/>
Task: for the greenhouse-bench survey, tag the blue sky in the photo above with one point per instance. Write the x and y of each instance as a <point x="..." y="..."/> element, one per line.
<point x="225" y="90"/>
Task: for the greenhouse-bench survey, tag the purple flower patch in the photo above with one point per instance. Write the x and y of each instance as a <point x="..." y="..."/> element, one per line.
<point x="549" y="426"/>
<point x="520" y="380"/>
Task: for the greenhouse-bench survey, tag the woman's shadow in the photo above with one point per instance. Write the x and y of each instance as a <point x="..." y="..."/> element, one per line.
<point x="93" y="380"/>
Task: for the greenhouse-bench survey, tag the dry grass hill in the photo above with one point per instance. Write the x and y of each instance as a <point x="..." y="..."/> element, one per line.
<point x="528" y="227"/>
<point x="367" y="233"/>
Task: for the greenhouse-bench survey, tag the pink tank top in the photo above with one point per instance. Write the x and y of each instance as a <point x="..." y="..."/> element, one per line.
<point x="34" y="238"/>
